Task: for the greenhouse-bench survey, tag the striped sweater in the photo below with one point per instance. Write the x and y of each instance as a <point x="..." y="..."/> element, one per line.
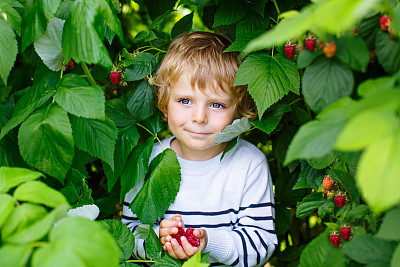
<point x="231" y="198"/>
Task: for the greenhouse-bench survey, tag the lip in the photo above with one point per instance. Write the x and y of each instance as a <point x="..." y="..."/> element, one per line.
<point x="197" y="133"/>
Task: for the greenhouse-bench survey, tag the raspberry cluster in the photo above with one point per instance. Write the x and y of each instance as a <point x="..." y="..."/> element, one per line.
<point x="191" y="238"/>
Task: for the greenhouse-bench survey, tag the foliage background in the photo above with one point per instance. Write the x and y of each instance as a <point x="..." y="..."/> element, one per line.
<point x="91" y="138"/>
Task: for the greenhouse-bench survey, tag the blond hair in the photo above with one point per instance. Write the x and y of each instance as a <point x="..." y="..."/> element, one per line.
<point x="202" y="54"/>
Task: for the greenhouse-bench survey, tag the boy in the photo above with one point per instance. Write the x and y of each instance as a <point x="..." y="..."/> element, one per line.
<point x="229" y="202"/>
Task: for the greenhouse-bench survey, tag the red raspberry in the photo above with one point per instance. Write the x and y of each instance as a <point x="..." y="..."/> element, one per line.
<point x="192" y="239"/>
<point x="310" y="44"/>
<point x="385" y="22"/>
<point x="115" y="76"/>
<point x="289" y="50"/>
<point x="339" y="200"/>
<point x="345" y="232"/>
<point x="335" y="240"/>
<point x="327" y="183"/>
<point x="178" y="235"/>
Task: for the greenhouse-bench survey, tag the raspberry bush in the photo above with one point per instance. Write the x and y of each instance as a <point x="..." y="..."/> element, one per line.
<point x="77" y="109"/>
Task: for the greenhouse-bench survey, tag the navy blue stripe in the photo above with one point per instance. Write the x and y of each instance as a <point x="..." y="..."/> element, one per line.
<point x="236" y="262"/>
<point x="129" y="218"/>
<point x="254" y="226"/>
<point x="213" y="213"/>
<point x="262" y="242"/>
<point x="253" y="245"/>
<point x="265" y="218"/>
<point x="244" y="247"/>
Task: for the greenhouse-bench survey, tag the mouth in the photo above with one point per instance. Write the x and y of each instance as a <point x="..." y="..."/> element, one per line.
<point x="197" y="133"/>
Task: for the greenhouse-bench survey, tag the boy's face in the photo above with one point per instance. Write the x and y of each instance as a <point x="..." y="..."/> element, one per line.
<point x="196" y="117"/>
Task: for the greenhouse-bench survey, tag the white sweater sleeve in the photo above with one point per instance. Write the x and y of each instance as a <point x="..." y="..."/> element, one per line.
<point x="252" y="239"/>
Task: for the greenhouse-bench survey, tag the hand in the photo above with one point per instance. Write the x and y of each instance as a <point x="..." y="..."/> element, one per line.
<point x="185" y="251"/>
<point x="169" y="227"/>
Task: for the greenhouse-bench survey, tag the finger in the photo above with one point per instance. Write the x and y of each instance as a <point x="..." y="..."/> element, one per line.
<point x="168" y="231"/>
<point x="170" y="250"/>
<point x="178" y="250"/>
<point x="166" y="223"/>
<point x="188" y="248"/>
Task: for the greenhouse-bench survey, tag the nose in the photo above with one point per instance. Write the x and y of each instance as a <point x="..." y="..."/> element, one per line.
<point x="199" y="115"/>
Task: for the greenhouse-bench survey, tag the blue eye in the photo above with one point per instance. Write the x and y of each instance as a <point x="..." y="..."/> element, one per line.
<point x="216" y="105"/>
<point x="185" y="101"/>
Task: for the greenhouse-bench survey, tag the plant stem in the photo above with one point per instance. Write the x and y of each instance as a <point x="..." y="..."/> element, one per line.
<point x="149" y="261"/>
<point x="155" y="135"/>
<point x="88" y="74"/>
<point x="277" y="7"/>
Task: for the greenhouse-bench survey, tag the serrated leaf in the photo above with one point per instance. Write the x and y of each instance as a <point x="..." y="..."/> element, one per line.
<point x="6" y="207"/>
<point x="396" y="257"/>
<point x="15" y="255"/>
<point x="167" y="261"/>
<point x="269" y="78"/>
<point x="320" y="252"/>
<point x="251" y="23"/>
<point x="314" y="177"/>
<point x="75" y="96"/>
<point x="34" y="98"/>
<point x="230" y="11"/>
<point x="233" y="130"/>
<point x="389" y="229"/>
<point x="353" y="51"/>
<point x="34" y="23"/>
<point x="347" y="180"/>
<point x="123" y="235"/>
<point x="377" y="175"/>
<point x="269" y="124"/>
<point x="143" y="65"/>
<point x="241" y="41"/>
<point x="153" y="245"/>
<point x="11" y="15"/>
<point x="127" y="140"/>
<point x="84" y="32"/>
<point x="326" y="81"/>
<point x="140" y="102"/>
<point x="388" y="52"/>
<point x="39" y="193"/>
<point x="368" y="28"/>
<point x="367" y="248"/>
<point x="136" y="166"/>
<point x="160" y="189"/>
<point x="182" y="26"/>
<point x="117" y="111"/>
<point x="46" y="142"/>
<point x="8" y="50"/>
<point x="309" y="204"/>
<point x="322" y="162"/>
<point x="157" y="21"/>
<point x="48" y="46"/>
<point x="70" y="241"/>
<point x="12" y="177"/>
<point x="154" y="123"/>
<point x="357" y="213"/>
<point x="97" y="137"/>
<point x="195" y="261"/>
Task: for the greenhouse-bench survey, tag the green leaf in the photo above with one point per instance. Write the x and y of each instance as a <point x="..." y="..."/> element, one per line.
<point x="12" y="177"/>
<point x="136" y="166"/>
<point x="358" y="133"/>
<point x="377" y="175"/>
<point x="123" y="236"/>
<point x="233" y="130"/>
<point x="195" y="261"/>
<point x="320" y="252"/>
<point x="38" y="229"/>
<point x="48" y="46"/>
<point x="143" y="65"/>
<point x="357" y="213"/>
<point x="388" y="52"/>
<point x="269" y="124"/>
<point x="22" y="217"/>
<point x="251" y="23"/>
<point x="15" y="255"/>
<point x="75" y="96"/>
<point x="76" y="189"/>
<point x="84" y="32"/>
<point x="309" y="204"/>
<point x="241" y="41"/>
<point x="353" y="51"/>
<point x="6" y="207"/>
<point x="314" y="177"/>
<point x="389" y="229"/>
<point x="322" y="162"/>
<point x="182" y="26"/>
<point x="230" y="11"/>
<point x="40" y="193"/>
<point x="140" y="102"/>
<point x="127" y="140"/>
<point x="347" y="180"/>
<point x="319" y="135"/>
<point x="153" y="245"/>
<point x="373" y="85"/>
<point x="11" y="15"/>
<point x="34" y="23"/>
<point x="77" y="241"/>
<point x="284" y="217"/>
<point x="160" y="189"/>
<point x="326" y="81"/>
<point x="154" y="123"/>
<point x="117" y="111"/>
<point x="396" y="257"/>
<point x="46" y="142"/>
<point x="97" y="137"/>
<point x="269" y="78"/>
<point x="366" y="249"/>
<point x="34" y="98"/>
<point x="368" y="28"/>
<point x="8" y="50"/>
<point x="167" y="261"/>
<point x="305" y="58"/>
